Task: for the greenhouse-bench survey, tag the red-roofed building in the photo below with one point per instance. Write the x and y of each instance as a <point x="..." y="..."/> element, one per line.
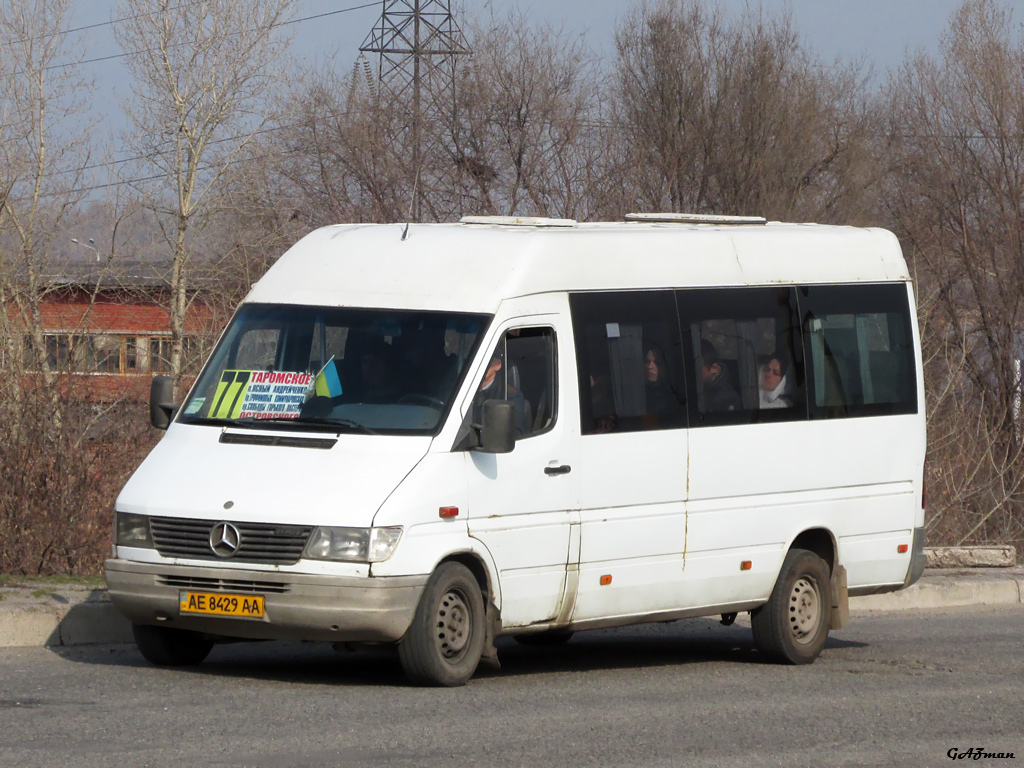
<point x="110" y="329"/>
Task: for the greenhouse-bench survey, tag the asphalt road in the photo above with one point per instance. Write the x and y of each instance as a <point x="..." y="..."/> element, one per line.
<point x="891" y="689"/>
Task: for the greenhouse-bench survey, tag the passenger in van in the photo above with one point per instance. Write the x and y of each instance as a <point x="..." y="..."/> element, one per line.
<point x="379" y="377"/>
<point x="602" y="405"/>
<point x="719" y="393"/>
<point x="659" y="396"/>
<point x="772" y="384"/>
<point x="427" y="370"/>
<point x="491" y="388"/>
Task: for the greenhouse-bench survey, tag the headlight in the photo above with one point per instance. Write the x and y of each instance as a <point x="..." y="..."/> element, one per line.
<point x="132" y="530"/>
<point x="383" y="542"/>
<point x="352" y="545"/>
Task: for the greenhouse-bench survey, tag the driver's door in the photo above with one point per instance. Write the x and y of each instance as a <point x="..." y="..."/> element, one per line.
<point x="520" y="502"/>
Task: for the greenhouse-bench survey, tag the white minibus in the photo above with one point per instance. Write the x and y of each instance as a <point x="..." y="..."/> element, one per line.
<point x="432" y="435"/>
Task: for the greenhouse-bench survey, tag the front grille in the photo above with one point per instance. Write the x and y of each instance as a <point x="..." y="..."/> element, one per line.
<point x="257" y="542"/>
<point x="223" y="585"/>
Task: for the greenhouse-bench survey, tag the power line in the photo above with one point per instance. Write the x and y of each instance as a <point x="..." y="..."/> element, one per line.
<point x="148" y="50"/>
<point x="111" y="163"/>
<point x="109" y="23"/>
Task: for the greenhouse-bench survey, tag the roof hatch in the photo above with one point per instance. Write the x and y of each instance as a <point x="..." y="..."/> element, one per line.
<point x="518" y="221"/>
<point x="693" y="218"/>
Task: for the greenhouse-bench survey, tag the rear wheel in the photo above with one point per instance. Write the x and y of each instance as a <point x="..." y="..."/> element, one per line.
<point x="171" y="647"/>
<point x="793" y="625"/>
<point x="446" y="637"/>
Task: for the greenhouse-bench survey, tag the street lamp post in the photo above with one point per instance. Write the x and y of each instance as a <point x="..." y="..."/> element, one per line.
<point x="91" y="245"/>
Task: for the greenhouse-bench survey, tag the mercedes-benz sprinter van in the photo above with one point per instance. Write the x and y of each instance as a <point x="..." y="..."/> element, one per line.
<point x="430" y="435"/>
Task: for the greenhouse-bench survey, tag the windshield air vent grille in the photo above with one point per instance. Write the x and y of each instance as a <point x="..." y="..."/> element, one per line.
<point x="322" y="443"/>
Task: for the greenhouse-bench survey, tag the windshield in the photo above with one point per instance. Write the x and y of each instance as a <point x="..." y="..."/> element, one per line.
<point x="363" y="370"/>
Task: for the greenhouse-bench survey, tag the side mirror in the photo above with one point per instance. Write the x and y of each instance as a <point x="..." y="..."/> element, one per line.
<point x="497" y="433"/>
<point x="161" y="402"/>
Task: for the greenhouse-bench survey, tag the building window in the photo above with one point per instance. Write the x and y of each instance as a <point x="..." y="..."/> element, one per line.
<point x="159" y="354"/>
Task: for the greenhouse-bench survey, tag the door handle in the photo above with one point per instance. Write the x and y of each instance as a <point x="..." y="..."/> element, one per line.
<point x="564" y="469"/>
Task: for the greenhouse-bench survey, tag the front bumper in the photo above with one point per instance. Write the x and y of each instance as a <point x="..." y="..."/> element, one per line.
<point x="298" y="606"/>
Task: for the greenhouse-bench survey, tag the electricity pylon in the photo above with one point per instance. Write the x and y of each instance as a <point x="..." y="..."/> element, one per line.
<point x="417" y="43"/>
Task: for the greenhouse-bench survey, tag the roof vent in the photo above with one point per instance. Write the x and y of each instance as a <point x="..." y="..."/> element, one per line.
<point x="693" y="218"/>
<point x="518" y="221"/>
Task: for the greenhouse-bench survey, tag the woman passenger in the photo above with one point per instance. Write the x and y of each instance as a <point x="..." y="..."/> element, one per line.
<point x="772" y="384"/>
<point x="660" y="398"/>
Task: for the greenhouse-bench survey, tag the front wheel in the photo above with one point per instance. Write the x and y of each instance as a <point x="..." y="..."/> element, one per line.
<point x="170" y="647"/>
<point x="793" y="625"/>
<point x="446" y="638"/>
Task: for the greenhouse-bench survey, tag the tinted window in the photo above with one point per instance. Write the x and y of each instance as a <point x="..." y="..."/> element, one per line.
<point x="746" y="353"/>
<point x="629" y="358"/>
<point x="521" y="370"/>
<point x="859" y="342"/>
<point x="335" y="368"/>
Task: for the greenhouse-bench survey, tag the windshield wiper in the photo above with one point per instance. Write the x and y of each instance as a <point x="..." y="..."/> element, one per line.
<point x="317" y="422"/>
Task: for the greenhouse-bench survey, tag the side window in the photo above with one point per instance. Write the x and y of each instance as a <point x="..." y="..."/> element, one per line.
<point x="521" y="370"/>
<point x="629" y="358"/>
<point x="746" y="352"/>
<point x="860" y="347"/>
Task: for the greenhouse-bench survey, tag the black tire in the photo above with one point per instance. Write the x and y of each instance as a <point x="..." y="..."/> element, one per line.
<point x="446" y="637"/>
<point x="549" y="639"/>
<point x="170" y="647"/>
<point x="792" y="627"/>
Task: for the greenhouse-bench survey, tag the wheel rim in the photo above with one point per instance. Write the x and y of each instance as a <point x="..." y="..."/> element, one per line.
<point x="454" y="624"/>
<point x="804" y="610"/>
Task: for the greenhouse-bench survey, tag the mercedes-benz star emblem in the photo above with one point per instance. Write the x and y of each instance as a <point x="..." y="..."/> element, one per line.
<point x="224" y="539"/>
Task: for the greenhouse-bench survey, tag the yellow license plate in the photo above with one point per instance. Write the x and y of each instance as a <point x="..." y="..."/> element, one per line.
<point x="219" y="604"/>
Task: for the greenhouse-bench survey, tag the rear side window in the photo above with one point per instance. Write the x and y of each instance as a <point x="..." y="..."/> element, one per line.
<point x="629" y="358"/>
<point x="859" y="344"/>
<point x="747" y="362"/>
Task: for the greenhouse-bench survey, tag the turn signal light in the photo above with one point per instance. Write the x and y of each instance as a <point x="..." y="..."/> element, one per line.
<point x="745" y="565"/>
<point x="448" y="512"/>
<point x="606" y="580"/>
<point x="902" y="549"/>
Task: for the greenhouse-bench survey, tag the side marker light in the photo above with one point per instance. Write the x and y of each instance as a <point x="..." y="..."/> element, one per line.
<point x="746" y="565"/>
<point x="902" y="549"/>
<point x="447" y="512"/>
<point x="606" y="580"/>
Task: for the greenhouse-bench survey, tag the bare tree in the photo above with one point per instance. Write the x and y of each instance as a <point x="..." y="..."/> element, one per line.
<point x="203" y="71"/>
<point x="528" y="133"/>
<point x="522" y="134"/>
<point x="60" y="457"/>
<point x="957" y="200"/>
<point x="735" y="116"/>
<point x="43" y="150"/>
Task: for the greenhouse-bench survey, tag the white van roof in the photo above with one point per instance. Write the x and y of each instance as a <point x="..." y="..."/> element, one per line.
<point x="473" y="265"/>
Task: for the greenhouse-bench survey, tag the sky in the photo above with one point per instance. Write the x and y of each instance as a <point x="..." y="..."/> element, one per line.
<point x="878" y="31"/>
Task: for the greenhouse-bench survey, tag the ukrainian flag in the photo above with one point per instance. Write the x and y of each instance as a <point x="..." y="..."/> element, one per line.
<point x="327" y="382"/>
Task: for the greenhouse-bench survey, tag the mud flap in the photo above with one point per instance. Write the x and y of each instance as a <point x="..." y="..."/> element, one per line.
<point x="840" y="598"/>
<point x="489" y="654"/>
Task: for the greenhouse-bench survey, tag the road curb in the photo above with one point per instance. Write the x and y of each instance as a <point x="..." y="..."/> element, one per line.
<point x="80" y="616"/>
<point x="64" y="618"/>
<point x="951" y="593"/>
